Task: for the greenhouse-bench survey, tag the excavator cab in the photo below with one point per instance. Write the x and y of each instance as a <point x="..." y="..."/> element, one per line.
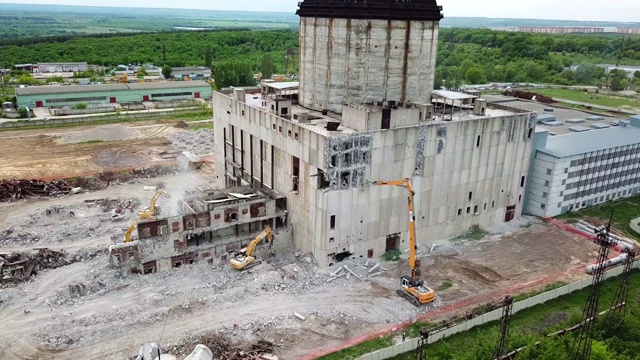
<point x="416" y="292"/>
<point x="245" y="259"/>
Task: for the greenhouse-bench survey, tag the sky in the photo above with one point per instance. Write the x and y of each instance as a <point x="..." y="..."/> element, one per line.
<point x="585" y="10"/>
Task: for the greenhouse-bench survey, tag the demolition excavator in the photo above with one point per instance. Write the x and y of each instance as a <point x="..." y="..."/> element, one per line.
<point x="245" y="259"/>
<point x="149" y="214"/>
<point x="413" y="288"/>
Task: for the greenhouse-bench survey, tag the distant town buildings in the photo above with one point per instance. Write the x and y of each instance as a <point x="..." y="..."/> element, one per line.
<point x="53" y="67"/>
<point x="570" y="30"/>
<point x="191" y="73"/>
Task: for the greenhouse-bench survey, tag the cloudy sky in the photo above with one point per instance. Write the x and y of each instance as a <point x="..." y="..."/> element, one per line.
<point x="611" y="10"/>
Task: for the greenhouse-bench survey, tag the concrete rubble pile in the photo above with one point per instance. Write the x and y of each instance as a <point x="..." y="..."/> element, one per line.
<point x="358" y="269"/>
<point x="18" y="267"/>
<point x="212" y="345"/>
<point x="198" y="142"/>
<point x="14" y="190"/>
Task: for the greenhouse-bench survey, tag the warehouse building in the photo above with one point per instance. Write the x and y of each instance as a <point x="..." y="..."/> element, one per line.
<point x="60" y="96"/>
<point x="577" y="170"/>
<point x="373" y="116"/>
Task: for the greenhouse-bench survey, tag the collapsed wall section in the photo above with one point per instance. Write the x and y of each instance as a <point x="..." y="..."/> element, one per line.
<point x="347" y="160"/>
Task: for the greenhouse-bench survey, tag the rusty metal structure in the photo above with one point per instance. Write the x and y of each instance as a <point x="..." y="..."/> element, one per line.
<point x="367" y="52"/>
<point x="507" y="311"/>
<point x="14" y="190"/>
<point x="419" y="10"/>
<point x="618" y="305"/>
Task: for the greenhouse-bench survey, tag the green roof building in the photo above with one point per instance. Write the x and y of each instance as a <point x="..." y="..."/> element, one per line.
<point x="60" y="96"/>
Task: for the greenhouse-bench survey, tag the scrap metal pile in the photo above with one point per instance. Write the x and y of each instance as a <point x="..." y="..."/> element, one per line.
<point x="14" y="190"/>
<point x="17" y="267"/>
<point x="220" y="347"/>
<point x="529" y="96"/>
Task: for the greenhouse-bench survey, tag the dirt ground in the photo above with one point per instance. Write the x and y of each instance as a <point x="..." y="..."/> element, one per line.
<point x="43" y="153"/>
<point x="41" y="320"/>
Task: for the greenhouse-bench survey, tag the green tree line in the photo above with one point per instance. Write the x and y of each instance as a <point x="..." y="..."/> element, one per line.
<point x="465" y="56"/>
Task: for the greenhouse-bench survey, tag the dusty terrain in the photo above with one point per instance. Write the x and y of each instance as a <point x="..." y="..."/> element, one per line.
<point x="41" y="320"/>
<point x="68" y="152"/>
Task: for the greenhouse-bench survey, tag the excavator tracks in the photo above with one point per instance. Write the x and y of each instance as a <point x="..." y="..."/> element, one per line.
<point x="409" y="298"/>
<point x="255" y="263"/>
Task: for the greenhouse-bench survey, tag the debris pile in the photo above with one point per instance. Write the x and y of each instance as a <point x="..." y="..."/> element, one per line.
<point x="114" y="132"/>
<point x="14" y="190"/>
<point x="198" y="142"/>
<point x="529" y="96"/>
<point x="224" y="349"/>
<point x="357" y="269"/>
<point x="17" y="267"/>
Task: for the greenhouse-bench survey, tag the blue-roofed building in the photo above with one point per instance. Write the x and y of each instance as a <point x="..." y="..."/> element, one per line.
<point x="577" y="170"/>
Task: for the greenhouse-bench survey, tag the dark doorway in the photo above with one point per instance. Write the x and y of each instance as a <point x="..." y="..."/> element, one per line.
<point x="370" y="253"/>
<point x="145" y="97"/>
<point x="39" y="103"/>
<point x="341" y="256"/>
<point x="393" y="242"/>
<point x="511" y="213"/>
<point x="112" y="99"/>
<point x="386" y="118"/>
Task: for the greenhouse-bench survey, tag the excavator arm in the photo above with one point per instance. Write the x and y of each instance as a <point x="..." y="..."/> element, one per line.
<point x="415" y="267"/>
<point x="127" y="234"/>
<point x="150" y="213"/>
<point x="266" y="234"/>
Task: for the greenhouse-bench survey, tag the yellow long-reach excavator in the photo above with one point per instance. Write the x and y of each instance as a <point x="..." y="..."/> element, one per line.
<point x="245" y="259"/>
<point x="149" y="213"/>
<point x="413" y="288"/>
<point x="127" y="234"/>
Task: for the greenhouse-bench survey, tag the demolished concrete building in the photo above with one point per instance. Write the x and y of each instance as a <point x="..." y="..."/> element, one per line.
<point x="364" y="110"/>
<point x="209" y="224"/>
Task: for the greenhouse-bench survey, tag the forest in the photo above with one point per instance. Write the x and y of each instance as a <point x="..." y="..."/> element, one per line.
<point x="465" y="56"/>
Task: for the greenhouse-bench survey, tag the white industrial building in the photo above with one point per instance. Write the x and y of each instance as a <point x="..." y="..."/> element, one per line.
<point x="373" y="117"/>
<point x="577" y="170"/>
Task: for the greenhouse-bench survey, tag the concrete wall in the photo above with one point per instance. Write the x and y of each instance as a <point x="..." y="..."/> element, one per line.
<point x="351" y="61"/>
<point x="495" y="315"/>
<point x="460" y="184"/>
<point x="446" y="161"/>
<point x="635" y="225"/>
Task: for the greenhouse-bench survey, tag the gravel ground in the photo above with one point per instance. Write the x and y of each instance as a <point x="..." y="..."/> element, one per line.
<point x="198" y="142"/>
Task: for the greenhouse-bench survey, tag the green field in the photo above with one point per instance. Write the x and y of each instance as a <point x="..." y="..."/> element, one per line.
<point x="625" y="210"/>
<point x="593" y="98"/>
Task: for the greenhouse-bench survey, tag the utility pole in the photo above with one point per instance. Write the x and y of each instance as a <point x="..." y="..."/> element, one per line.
<point x="4" y="67"/>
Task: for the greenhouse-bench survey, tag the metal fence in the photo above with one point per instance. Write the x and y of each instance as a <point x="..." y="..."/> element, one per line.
<point x="495" y="315"/>
<point x="95" y="119"/>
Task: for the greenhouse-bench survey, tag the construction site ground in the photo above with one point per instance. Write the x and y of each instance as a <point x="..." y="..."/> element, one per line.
<point x="68" y="152"/>
<point x="42" y="320"/>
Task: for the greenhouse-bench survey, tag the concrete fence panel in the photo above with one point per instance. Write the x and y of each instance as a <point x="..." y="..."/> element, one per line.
<point x="495" y="315"/>
<point x="635" y="225"/>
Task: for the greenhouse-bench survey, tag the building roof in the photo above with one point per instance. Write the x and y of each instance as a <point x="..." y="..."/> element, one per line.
<point x="590" y="141"/>
<point x="419" y="10"/>
<point x="74" y="89"/>
<point x="452" y="95"/>
<point x="63" y="63"/>
<point x="282" y="85"/>
<point x="191" y="68"/>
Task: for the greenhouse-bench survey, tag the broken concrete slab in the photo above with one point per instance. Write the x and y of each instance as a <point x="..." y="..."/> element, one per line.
<point x="299" y="316"/>
<point x="374" y="267"/>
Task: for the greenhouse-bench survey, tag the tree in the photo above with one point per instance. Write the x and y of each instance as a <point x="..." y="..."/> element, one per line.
<point x="475" y="75"/>
<point x="267" y="67"/>
<point x="142" y="71"/>
<point x="166" y="71"/>
<point x="586" y="73"/>
<point x="208" y="56"/>
<point x="636" y="74"/>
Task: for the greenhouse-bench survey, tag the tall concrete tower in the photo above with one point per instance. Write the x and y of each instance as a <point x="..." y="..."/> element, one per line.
<point x="367" y="52"/>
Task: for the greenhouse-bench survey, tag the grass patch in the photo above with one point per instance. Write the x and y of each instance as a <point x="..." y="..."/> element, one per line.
<point x="362" y="349"/>
<point x="189" y="116"/>
<point x="591" y="98"/>
<point x="447" y="284"/>
<point x="474" y="234"/>
<point x="625" y="210"/>
<point x="201" y="125"/>
<point x="531" y="294"/>
<point x="90" y="142"/>
<point x="391" y="255"/>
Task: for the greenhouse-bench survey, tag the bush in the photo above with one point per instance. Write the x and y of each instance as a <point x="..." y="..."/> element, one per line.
<point x="80" y="106"/>
<point x="391" y="255"/>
